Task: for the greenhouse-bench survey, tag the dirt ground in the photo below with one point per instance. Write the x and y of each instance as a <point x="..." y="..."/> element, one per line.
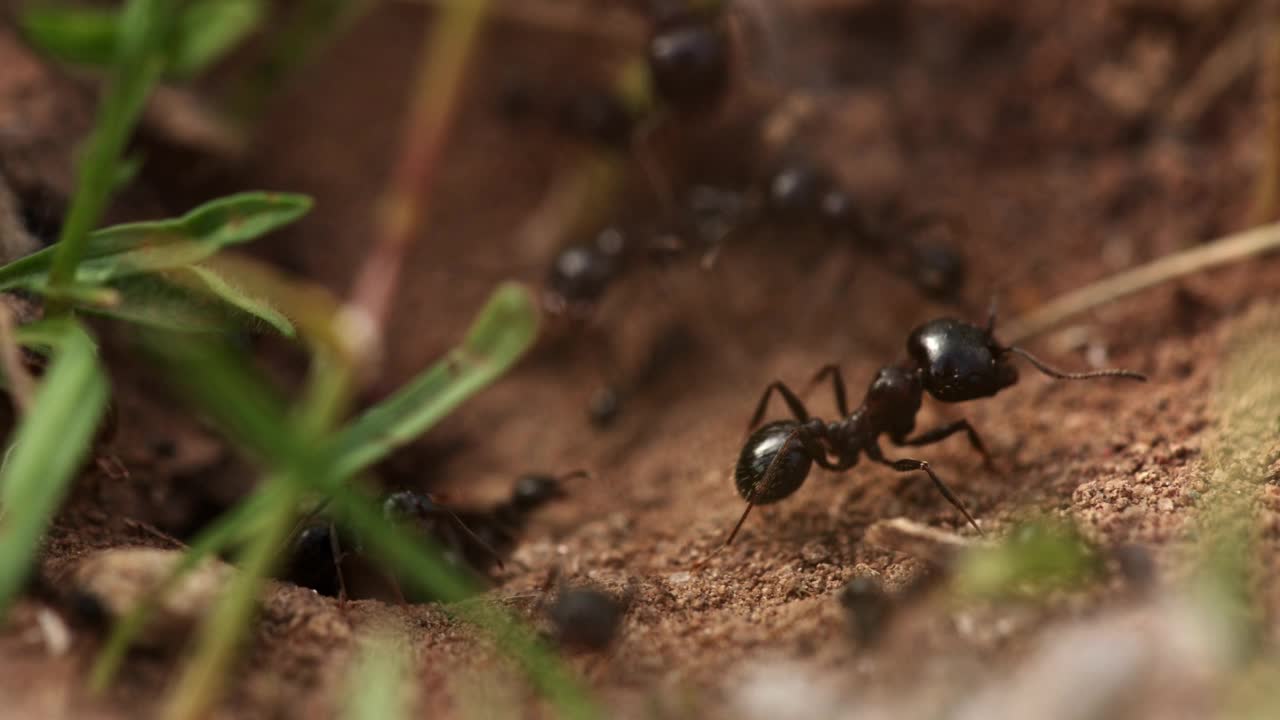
<point x="1075" y="138"/>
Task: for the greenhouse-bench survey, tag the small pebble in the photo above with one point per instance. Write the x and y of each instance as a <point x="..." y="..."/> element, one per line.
<point x="586" y="619"/>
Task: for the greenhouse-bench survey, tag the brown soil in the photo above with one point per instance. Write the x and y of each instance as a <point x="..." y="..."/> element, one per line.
<point x="1060" y="131"/>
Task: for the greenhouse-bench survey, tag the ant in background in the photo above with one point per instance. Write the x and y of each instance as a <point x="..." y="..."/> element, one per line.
<point x="323" y="557"/>
<point x="797" y="192"/>
<point x="582" y="273"/>
<point x="951" y="360"/>
<point x="685" y="70"/>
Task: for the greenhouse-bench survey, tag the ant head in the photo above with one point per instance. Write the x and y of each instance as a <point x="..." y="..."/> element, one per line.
<point x="406" y="506"/>
<point x="894" y="399"/>
<point x="960" y="361"/>
<point x="534" y="490"/>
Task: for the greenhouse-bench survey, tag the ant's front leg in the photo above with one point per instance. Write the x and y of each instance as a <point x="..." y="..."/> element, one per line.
<point x="941" y="433"/>
<point x="793" y="402"/>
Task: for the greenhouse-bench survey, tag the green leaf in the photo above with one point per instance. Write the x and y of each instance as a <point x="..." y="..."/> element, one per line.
<point x="143" y="247"/>
<point x="226" y="291"/>
<point x="49" y="446"/>
<point x="505" y="328"/>
<point x="209" y="29"/>
<point x="156" y="302"/>
<point x="42" y="334"/>
<point x="205" y="31"/>
<point x="79" y="35"/>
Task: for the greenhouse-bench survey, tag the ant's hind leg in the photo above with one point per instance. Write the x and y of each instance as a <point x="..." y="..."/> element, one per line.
<point x="941" y="433"/>
<point x="793" y="403"/>
<point x="837" y="386"/>
<point x="911" y="465"/>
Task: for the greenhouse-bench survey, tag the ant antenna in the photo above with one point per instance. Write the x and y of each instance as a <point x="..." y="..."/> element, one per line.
<point x="1060" y="375"/>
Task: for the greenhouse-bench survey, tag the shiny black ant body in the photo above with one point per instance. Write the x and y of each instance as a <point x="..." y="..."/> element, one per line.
<point x="951" y="360"/>
<point x="322" y="554"/>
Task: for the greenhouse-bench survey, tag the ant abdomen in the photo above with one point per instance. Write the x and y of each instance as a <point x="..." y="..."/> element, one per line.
<point x="759" y="452"/>
<point x="689" y="63"/>
<point x="311" y="562"/>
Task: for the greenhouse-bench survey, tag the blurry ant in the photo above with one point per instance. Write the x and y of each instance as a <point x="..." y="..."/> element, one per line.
<point x="951" y="360"/>
<point x="685" y="70"/>
<point x="322" y="556"/>
<point x="799" y="192"/>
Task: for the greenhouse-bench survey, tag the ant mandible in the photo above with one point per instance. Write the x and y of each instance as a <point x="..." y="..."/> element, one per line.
<point x="951" y="360"/>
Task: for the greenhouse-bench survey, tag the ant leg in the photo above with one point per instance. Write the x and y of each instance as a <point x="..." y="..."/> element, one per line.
<point x="941" y="433"/>
<point x="642" y="149"/>
<point x="793" y="402"/>
<point x="837" y="386"/>
<point x="910" y="465"/>
<point x="335" y="550"/>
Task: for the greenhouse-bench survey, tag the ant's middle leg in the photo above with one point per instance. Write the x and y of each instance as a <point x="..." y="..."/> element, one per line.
<point x="941" y="433"/>
<point x="793" y="402"/>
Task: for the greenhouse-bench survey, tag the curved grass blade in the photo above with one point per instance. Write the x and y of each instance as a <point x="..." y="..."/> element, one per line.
<point x="503" y="331"/>
<point x="206" y="30"/>
<point x="48" y="448"/>
<point x="130" y="249"/>
<point x="156" y="302"/>
<point x="233" y="296"/>
<point x="209" y="29"/>
<point x="78" y="35"/>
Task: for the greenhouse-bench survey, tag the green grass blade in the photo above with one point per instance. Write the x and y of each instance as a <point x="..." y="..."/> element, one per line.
<point x="236" y="524"/>
<point x="79" y="35"/>
<point x="48" y="448"/>
<point x="503" y="331"/>
<point x="205" y="32"/>
<point x="216" y="379"/>
<point x="223" y="631"/>
<point x="209" y="29"/>
<point x="378" y="686"/>
<point x="140" y="61"/>
<point x="423" y="568"/>
<point x="133" y="248"/>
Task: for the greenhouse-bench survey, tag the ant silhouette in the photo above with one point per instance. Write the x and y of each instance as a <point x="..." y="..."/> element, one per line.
<point x="321" y="554"/>
<point x="951" y="360"/>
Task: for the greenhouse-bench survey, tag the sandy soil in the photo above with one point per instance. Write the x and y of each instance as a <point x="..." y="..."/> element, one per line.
<point x="1068" y="135"/>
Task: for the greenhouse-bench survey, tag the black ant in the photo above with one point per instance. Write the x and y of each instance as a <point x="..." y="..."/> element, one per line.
<point x="951" y="360"/>
<point x="322" y="555"/>
<point x="799" y="192"/>
<point x="687" y="70"/>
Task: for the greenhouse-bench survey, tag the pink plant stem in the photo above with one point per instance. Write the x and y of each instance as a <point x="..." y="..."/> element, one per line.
<point x="406" y="205"/>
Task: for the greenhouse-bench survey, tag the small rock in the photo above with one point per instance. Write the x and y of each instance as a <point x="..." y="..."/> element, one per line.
<point x="111" y="583"/>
